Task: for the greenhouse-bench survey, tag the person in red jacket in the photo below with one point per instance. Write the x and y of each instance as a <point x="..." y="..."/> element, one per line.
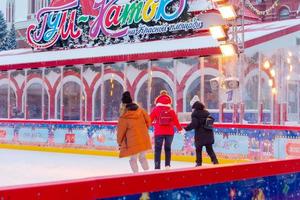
<point x="164" y="119"/>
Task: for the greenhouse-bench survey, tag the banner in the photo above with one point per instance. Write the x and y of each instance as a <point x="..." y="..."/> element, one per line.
<point x="115" y="22"/>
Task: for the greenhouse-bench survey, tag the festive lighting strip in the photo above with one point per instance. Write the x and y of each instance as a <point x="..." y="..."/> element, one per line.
<point x="259" y="12"/>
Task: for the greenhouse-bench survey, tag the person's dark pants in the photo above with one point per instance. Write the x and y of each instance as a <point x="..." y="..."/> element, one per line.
<point x="159" y="140"/>
<point x="210" y="152"/>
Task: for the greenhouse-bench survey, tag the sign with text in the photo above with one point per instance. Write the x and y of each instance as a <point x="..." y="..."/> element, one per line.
<point x="142" y="20"/>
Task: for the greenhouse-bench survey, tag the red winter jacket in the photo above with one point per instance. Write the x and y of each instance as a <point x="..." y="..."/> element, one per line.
<point x="164" y="130"/>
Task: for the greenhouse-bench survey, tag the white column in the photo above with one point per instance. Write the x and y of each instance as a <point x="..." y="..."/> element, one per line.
<point x="202" y="80"/>
<point x="81" y="93"/>
<point x="175" y="62"/>
<point x="219" y="88"/>
<point x="26" y="113"/>
<point x="259" y="88"/>
<point x="61" y="91"/>
<point x="125" y="64"/>
<point x="8" y="96"/>
<point x="43" y="93"/>
<point x="149" y="86"/>
<point x="102" y="91"/>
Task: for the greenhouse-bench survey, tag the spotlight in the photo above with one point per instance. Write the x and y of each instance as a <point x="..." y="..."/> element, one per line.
<point x="267" y="64"/>
<point x="227" y="11"/>
<point x="228" y="49"/>
<point x="232" y="83"/>
<point x="272" y="72"/>
<point x="219" y="32"/>
<point x="220" y="1"/>
<point x="214" y="83"/>
<point x="271" y="83"/>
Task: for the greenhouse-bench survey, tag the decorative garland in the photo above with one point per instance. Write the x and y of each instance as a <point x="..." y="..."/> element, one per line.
<point x="258" y="12"/>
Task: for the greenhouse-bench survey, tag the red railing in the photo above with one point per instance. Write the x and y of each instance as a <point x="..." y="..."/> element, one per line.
<point x="104" y="187"/>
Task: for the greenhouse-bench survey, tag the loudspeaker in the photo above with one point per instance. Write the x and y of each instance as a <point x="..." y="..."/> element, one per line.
<point x="215" y="83"/>
<point x="231" y="83"/>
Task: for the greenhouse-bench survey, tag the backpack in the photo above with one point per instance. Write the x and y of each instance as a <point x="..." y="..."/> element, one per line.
<point x="165" y="118"/>
<point x="209" y="123"/>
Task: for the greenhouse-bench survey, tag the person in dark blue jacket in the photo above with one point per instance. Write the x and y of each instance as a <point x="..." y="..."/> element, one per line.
<point x="203" y="137"/>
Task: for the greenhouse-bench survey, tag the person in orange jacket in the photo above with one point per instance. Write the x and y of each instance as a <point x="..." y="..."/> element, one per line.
<point x="132" y="133"/>
<point x="164" y="119"/>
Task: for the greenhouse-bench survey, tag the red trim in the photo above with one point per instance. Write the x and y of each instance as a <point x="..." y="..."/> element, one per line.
<point x="114" y="123"/>
<point x="271" y="36"/>
<point x="119" y="58"/>
<point x="104" y="187"/>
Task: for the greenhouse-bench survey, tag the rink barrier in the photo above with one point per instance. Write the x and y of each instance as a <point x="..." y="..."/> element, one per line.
<point x="233" y="142"/>
<point x="260" y="180"/>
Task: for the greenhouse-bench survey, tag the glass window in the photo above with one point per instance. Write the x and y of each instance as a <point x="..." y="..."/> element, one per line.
<point x="140" y="69"/>
<point x="97" y="104"/>
<point x="17" y="77"/>
<point x="284" y="13"/>
<point x="72" y="95"/>
<point x="34" y="101"/>
<point x="71" y="101"/>
<point x="193" y="89"/>
<point x="4" y="101"/>
<point x="211" y="97"/>
<point x="91" y="69"/>
<point x="187" y="71"/>
<point x="114" y="85"/>
<point x="293" y="98"/>
<point x="251" y="99"/>
<point x="37" y="104"/>
<point x="161" y="78"/>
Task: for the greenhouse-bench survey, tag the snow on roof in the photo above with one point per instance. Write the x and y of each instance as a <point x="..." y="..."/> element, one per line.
<point x="254" y="34"/>
<point x="25" y="56"/>
<point x="199" y="5"/>
<point x="254" y="31"/>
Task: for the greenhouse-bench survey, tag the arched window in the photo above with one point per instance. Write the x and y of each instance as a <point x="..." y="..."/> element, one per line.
<point x="157" y="85"/>
<point x="194" y="89"/>
<point x="284" y="13"/>
<point x="113" y="92"/>
<point x="4" y="101"/>
<point x="211" y="97"/>
<point x="161" y="79"/>
<point x="35" y="101"/>
<point x="97" y="104"/>
<point x="10" y="11"/>
<point x="71" y="101"/>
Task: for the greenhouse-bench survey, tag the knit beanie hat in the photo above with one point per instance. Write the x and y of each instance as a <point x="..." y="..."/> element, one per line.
<point x="126" y="98"/>
<point x="194" y="100"/>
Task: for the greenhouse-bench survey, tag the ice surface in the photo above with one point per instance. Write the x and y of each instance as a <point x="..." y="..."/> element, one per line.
<point x="26" y="167"/>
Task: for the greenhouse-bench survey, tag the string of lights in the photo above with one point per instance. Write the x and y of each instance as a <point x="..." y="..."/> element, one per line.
<point x="259" y="12"/>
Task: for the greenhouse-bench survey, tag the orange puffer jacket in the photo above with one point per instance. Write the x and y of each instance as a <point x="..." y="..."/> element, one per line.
<point x="132" y="131"/>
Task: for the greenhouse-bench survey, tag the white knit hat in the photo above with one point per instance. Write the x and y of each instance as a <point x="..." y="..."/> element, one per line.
<point x="194" y="100"/>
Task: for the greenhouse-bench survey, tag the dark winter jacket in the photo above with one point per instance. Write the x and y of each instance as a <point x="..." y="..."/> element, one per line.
<point x="202" y="136"/>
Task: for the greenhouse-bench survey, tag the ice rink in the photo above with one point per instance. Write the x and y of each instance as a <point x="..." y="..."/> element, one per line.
<point x="26" y="167"/>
